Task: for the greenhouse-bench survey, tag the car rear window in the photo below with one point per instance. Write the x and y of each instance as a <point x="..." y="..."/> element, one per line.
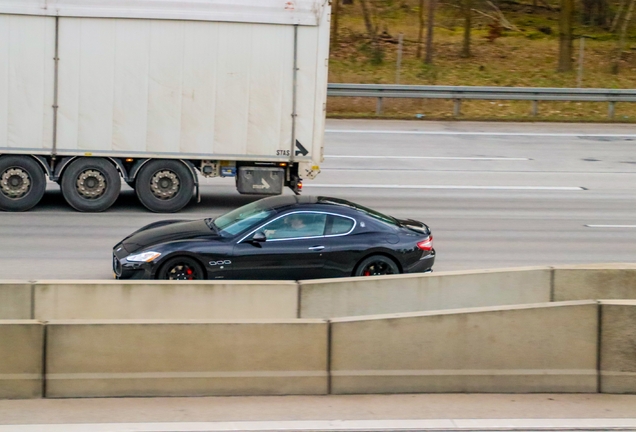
<point x="369" y="212"/>
<point x="338" y="225"/>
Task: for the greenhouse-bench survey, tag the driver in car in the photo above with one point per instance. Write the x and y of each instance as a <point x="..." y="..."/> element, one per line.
<point x="290" y="226"/>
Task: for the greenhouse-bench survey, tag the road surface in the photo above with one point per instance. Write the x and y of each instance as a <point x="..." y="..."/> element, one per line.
<point x="495" y="195"/>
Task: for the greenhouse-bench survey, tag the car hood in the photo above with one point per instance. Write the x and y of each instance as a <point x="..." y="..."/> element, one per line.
<point x="166" y="231"/>
<point x="414" y="225"/>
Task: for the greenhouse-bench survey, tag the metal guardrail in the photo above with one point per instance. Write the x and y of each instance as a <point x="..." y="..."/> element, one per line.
<point x="460" y="93"/>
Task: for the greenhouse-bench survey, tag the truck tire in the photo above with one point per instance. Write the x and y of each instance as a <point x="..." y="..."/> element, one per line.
<point x="164" y="186"/>
<point x="22" y="183"/>
<point x="90" y="184"/>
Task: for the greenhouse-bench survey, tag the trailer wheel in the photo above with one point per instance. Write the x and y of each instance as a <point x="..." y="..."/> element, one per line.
<point x="22" y="183"/>
<point x="90" y="184"/>
<point x="164" y="186"/>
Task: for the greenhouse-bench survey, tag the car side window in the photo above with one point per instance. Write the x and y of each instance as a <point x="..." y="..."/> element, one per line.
<point x="296" y="225"/>
<point x="338" y="225"/>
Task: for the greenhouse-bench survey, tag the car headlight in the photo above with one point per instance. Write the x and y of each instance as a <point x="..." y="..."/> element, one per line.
<point x="144" y="257"/>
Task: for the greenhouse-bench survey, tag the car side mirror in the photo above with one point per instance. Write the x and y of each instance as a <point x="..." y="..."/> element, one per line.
<point x="259" y="237"/>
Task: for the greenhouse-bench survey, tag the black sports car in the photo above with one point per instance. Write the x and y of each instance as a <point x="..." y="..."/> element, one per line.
<point x="283" y="237"/>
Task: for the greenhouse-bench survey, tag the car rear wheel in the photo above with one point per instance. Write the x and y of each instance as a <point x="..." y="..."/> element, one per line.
<point x="181" y="268"/>
<point x="377" y="265"/>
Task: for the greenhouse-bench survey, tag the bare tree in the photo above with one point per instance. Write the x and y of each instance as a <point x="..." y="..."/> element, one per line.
<point x="617" y="17"/>
<point x="467" y="24"/>
<point x="565" y="36"/>
<point x="621" y="39"/>
<point x="334" y="28"/>
<point x="594" y="12"/>
<point x="372" y="30"/>
<point x="429" y="32"/>
<point x="421" y="30"/>
<point x="368" y="23"/>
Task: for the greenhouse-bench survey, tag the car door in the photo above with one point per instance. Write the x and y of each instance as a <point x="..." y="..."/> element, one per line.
<point x="343" y="249"/>
<point x="294" y="249"/>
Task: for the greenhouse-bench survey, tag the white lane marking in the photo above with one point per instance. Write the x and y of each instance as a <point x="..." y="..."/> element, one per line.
<point x="610" y="226"/>
<point x="380" y="186"/>
<point x="596" y="424"/>
<point x="519" y="134"/>
<point x="428" y="157"/>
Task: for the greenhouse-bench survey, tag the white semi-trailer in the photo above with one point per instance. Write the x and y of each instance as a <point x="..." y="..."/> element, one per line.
<point x="159" y="93"/>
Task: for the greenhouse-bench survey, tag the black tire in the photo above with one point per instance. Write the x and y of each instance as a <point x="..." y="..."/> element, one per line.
<point x="164" y="186"/>
<point x="90" y="184"/>
<point x="22" y="183"/>
<point x="376" y="265"/>
<point x="181" y="268"/>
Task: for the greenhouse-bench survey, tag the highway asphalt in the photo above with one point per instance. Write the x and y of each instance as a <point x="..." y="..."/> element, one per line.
<point x="495" y="195"/>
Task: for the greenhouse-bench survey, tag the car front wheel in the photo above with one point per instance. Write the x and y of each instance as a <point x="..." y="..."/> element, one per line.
<point x="181" y="268"/>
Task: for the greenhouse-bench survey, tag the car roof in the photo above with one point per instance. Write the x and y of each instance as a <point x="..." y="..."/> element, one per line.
<point x="288" y="202"/>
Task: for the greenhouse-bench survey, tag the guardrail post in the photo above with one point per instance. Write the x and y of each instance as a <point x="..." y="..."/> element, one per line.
<point x="535" y="108"/>
<point x="611" y="109"/>
<point x="378" y="107"/>
<point x="457" y="109"/>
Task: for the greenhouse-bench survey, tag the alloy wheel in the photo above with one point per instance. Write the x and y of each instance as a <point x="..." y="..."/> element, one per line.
<point x="377" y="268"/>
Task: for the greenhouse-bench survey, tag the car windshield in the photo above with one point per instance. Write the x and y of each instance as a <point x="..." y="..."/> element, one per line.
<point x="241" y="219"/>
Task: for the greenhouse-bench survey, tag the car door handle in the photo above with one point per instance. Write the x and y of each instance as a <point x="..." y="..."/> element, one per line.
<point x="316" y="248"/>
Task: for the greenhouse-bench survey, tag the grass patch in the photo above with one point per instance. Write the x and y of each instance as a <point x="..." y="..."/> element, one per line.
<point x="526" y="58"/>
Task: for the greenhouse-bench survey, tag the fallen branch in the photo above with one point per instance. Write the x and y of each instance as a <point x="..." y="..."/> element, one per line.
<point x="545" y="3"/>
<point x="503" y="22"/>
<point x="502" y="19"/>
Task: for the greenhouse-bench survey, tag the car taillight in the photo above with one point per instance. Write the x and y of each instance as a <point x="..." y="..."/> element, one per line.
<point x="426" y="244"/>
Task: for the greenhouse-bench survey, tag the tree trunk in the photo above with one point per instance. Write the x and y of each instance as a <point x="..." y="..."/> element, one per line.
<point x="372" y="30"/>
<point x="467" y="25"/>
<point x="367" y="19"/>
<point x="594" y="12"/>
<point x="421" y="30"/>
<point x="565" y="36"/>
<point x="429" y="32"/>
<point x="602" y="9"/>
<point x="617" y="17"/>
<point x="334" y="28"/>
<point x="587" y="12"/>
<point x="621" y="39"/>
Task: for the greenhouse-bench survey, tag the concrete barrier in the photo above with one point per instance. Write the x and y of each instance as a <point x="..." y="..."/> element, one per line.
<point x="187" y="358"/>
<point x="548" y="347"/>
<point x="412" y="293"/>
<point x="21" y="354"/>
<point x="618" y="346"/>
<point x="62" y="300"/>
<point x="602" y="281"/>
<point x="15" y="300"/>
